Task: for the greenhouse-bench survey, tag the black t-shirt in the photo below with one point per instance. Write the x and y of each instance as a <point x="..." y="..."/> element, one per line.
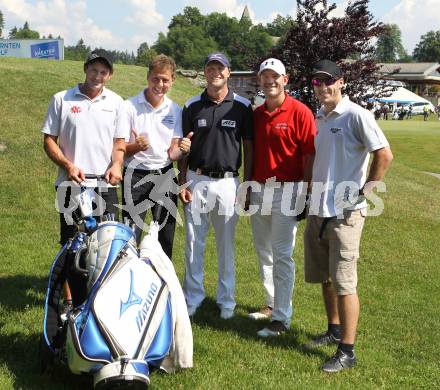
<point x="218" y="131"/>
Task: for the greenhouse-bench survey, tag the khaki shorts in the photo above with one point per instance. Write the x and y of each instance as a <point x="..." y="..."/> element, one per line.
<point x="334" y="256"/>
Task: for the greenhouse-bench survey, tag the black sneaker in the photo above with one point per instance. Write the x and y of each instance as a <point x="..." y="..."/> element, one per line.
<point x="339" y="361"/>
<point x="325" y="338"/>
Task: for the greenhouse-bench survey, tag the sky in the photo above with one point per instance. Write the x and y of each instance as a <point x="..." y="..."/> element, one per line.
<point x="125" y="24"/>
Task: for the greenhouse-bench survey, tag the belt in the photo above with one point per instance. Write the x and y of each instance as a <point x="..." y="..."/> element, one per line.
<point x="153" y="171"/>
<point x="215" y="174"/>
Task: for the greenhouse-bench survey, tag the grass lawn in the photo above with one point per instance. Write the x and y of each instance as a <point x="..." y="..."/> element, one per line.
<point x="397" y="344"/>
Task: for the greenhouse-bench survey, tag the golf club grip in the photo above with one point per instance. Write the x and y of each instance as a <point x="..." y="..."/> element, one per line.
<point x="157" y="211"/>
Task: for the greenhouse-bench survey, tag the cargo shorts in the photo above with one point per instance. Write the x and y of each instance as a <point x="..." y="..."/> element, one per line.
<point x="333" y="257"/>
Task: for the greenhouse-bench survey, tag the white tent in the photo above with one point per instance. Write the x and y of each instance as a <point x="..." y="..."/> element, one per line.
<point x="403" y="96"/>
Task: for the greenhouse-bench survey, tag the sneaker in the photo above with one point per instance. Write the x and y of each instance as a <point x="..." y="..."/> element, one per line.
<point x="275" y="328"/>
<point x="226" y="314"/>
<point x="323" y="339"/>
<point x="264" y="313"/>
<point x="339" y="361"/>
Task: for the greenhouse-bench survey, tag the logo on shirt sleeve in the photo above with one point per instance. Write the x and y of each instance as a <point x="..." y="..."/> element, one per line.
<point x="201" y="123"/>
<point x="228" y="123"/>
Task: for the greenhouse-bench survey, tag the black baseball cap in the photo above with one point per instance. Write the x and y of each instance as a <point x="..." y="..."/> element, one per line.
<point x="100" y="54"/>
<point x="328" y="68"/>
<point x="219" y="57"/>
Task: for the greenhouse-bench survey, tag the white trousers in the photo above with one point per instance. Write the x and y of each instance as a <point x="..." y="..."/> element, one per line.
<point x="213" y="201"/>
<point x="274" y="240"/>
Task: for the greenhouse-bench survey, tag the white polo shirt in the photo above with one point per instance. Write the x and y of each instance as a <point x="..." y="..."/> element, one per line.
<point x="345" y="138"/>
<point x="85" y="129"/>
<point x="160" y="125"/>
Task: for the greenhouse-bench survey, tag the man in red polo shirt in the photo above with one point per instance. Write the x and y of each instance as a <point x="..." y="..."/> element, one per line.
<point x="284" y="132"/>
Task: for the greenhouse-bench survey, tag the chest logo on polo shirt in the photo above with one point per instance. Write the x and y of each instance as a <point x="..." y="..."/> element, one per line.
<point x="168" y="119"/>
<point x="75" y="109"/>
<point x="334" y="130"/>
<point x="281" y="126"/>
<point x="201" y="122"/>
<point x="228" y="123"/>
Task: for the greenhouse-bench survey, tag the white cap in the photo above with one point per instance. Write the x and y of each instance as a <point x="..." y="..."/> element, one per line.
<point x="274" y="64"/>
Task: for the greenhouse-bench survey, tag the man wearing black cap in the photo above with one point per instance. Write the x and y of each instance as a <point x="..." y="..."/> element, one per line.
<point x="347" y="134"/>
<point x="80" y="136"/>
<point x="221" y="121"/>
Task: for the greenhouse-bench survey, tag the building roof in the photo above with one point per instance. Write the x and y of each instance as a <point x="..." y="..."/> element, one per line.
<point x="417" y="71"/>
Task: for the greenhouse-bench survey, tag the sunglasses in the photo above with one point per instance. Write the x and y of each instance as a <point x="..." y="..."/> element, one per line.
<point x="327" y="82"/>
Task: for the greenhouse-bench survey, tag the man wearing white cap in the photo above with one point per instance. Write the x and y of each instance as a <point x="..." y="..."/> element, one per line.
<point x="284" y="131"/>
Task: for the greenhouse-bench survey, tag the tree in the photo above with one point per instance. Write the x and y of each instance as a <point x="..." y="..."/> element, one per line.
<point x="24" y="33"/>
<point x="346" y="40"/>
<point x="2" y="23"/>
<point x="78" y="52"/>
<point x="187" y="45"/>
<point x="242" y="42"/>
<point x="12" y="32"/>
<point x="144" y="54"/>
<point x="280" y="25"/>
<point x="191" y="17"/>
<point x="428" y="49"/>
<point x="389" y="46"/>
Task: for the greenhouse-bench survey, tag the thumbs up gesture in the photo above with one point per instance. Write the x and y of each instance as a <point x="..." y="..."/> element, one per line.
<point x="140" y="140"/>
<point x="185" y="143"/>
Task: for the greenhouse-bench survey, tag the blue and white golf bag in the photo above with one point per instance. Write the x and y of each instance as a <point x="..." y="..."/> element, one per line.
<point x="127" y="310"/>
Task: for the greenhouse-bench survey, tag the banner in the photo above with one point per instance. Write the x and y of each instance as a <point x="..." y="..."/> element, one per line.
<point x="32" y="48"/>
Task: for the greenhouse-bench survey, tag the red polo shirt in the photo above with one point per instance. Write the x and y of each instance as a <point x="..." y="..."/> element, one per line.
<point x="281" y="139"/>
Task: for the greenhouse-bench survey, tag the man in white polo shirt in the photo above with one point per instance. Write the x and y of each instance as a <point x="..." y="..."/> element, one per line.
<point x="347" y="134"/>
<point x="155" y="123"/>
<point x="80" y="136"/>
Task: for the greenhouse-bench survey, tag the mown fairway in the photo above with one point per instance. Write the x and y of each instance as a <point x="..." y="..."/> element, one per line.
<point x="399" y="270"/>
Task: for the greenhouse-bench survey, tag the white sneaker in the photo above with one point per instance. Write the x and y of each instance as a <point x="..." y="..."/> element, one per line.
<point x="264" y="313"/>
<point x="226" y="314"/>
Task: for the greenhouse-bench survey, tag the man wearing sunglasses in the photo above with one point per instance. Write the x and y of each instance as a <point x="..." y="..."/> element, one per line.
<point x="347" y="134"/>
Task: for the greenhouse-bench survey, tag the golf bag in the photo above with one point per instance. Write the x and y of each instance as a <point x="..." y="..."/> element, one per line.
<point x="126" y="315"/>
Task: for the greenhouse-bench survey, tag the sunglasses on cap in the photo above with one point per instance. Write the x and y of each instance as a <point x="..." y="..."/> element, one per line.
<point x="327" y="82"/>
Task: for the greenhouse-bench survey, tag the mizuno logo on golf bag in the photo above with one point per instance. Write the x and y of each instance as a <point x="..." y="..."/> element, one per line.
<point x="142" y="314"/>
<point x="133" y="298"/>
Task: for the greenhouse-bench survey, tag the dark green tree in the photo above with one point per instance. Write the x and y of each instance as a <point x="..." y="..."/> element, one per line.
<point x="280" y="25"/>
<point x="78" y="52"/>
<point x="389" y="46"/>
<point x="2" y="23"/>
<point x="12" y="32"/>
<point x="26" y="33"/>
<point x="191" y="17"/>
<point x="191" y="36"/>
<point x="187" y="45"/>
<point x="346" y="40"/>
<point x="428" y="49"/>
<point x="144" y="54"/>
